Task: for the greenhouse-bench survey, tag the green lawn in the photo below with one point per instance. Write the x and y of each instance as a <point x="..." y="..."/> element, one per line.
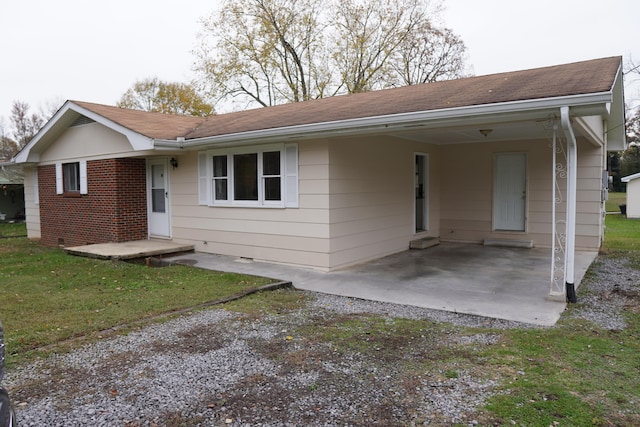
<point x="622" y="233"/>
<point x="47" y="296"/>
<point x="614" y="201"/>
<point x="573" y="374"/>
<point x="15" y="229"/>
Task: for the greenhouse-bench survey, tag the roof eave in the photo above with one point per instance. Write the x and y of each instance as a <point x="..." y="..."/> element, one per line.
<point x="630" y="177"/>
<point x="30" y="153"/>
<point x="587" y="104"/>
<point x="616" y="132"/>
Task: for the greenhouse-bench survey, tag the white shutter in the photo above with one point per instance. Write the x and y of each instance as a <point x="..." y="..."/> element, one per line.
<point x="36" y="190"/>
<point x="203" y="180"/>
<point x="83" y="177"/>
<point x="291" y="175"/>
<point x="59" y="184"/>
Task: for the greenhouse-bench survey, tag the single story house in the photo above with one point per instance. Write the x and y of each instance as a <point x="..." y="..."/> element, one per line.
<point x="633" y="195"/>
<point x="510" y="158"/>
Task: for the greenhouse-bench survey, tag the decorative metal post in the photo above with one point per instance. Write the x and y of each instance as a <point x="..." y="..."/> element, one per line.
<point x="557" y="288"/>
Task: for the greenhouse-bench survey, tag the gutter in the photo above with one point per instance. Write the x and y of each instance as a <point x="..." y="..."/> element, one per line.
<point x="394" y="121"/>
<point x="572" y="177"/>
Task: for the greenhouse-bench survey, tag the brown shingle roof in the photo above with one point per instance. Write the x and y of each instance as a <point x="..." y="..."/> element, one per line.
<point x="594" y="76"/>
<point x="154" y="125"/>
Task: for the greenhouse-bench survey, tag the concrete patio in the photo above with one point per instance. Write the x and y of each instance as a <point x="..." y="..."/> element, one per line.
<point x="128" y="250"/>
<point x="496" y="282"/>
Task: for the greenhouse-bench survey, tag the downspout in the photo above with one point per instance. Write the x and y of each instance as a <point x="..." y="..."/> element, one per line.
<point x="572" y="178"/>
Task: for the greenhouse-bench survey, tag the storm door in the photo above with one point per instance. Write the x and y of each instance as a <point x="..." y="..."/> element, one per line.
<point x="158" y="197"/>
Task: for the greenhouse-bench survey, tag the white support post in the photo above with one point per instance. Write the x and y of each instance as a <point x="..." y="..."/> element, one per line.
<point x="572" y="177"/>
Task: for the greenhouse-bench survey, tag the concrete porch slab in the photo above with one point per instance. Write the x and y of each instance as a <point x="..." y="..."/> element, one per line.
<point x="497" y="282"/>
<point x="129" y="250"/>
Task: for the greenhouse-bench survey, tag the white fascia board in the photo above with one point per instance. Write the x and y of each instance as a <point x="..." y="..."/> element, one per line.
<point x="447" y="116"/>
<point x="616" y="134"/>
<point x="138" y="142"/>
<point x="23" y="156"/>
<point x="591" y="128"/>
<point x="630" y="177"/>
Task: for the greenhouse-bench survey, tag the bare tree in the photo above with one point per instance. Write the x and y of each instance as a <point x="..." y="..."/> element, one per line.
<point x="155" y="95"/>
<point x="368" y="33"/>
<point x="266" y="51"/>
<point x="270" y="52"/>
<point x="8" y="147"/>
<point x="427" y="55"/>
<point x="25" y="125"/>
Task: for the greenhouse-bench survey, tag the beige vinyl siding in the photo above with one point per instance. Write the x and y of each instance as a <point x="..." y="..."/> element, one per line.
<point x="356" y="202"/>
<point x="372" y="197"/>
<point x="87" y="141"/>
<point x="590" y="203"/>
<point x="298" y="236"/>
<point x="32" y="209"/>
<point x="466" y="198"/>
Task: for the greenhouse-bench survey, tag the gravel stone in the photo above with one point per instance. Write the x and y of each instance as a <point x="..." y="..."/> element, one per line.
<point x="218" y="368"/>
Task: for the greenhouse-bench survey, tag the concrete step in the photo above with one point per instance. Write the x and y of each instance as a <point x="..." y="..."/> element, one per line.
<point x="425" y="243"/>
<point x="509" y="243"/>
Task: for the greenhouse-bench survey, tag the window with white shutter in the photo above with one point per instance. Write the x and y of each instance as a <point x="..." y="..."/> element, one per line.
<point x="265" y="176"/>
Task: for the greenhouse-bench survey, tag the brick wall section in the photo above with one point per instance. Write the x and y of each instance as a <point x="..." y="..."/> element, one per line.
<point x="114" y="210"/>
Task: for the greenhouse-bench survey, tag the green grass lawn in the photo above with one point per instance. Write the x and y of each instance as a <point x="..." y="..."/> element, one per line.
<point x="47" y="296"/>
<point x="573" y="374"/>
<point x="622" y="233"/>
<point x="15" y="229"/>
<point x="614" y="201"/>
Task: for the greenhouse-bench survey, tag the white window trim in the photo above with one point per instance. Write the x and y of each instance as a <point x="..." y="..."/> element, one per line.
<point x="82" y="177"/>
<point x="288" y="177"/>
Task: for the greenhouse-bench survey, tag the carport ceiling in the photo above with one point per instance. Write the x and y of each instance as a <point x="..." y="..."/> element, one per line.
<point x="512" y="131"/>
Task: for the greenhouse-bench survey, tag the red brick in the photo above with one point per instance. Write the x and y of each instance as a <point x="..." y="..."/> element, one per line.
<point x="114" y="210"/>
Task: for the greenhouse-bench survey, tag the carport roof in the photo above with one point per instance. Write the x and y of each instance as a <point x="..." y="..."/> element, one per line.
<point x="588" y="77"/>
<point x="579" y="78"/>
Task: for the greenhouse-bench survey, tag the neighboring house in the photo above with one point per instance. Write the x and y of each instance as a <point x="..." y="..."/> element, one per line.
<point x="633" y="195"/>
<point x="11" y="196"/>
<point x="334" y="182"/>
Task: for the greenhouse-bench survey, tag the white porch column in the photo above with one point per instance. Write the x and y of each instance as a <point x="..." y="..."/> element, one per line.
<point x="572" y="177"/>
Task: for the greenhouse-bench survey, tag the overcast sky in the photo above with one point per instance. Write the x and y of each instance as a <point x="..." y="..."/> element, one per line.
<point x="94" y="51"/>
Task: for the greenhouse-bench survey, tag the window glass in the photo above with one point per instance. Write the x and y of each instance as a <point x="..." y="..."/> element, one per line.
<point x="245" y="176"/>
<point x="219" y="166"/>
<point x="239" y="177"/>
<point x="220" y="178"/>
<point x="271" y="163"/>
<point x="271" y="174"/>
<point x="157" y="188"/>
<point x="220" y="187"/>
<point x="71" y="177"/>
<point x="272" y="189"/>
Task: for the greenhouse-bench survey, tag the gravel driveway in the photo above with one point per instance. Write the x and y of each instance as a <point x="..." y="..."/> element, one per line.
<point x="218" y="367"/>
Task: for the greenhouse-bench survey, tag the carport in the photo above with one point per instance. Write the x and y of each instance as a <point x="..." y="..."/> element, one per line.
<point x="497" y="282"/>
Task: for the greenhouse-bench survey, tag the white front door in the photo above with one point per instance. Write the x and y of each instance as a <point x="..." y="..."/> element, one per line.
<point x="510" y="192"/>
<point x="158" y="197"/>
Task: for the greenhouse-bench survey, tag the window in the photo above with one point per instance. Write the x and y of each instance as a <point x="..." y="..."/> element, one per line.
<point x="71" y="177"/>
<point x="249" y="177"/>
